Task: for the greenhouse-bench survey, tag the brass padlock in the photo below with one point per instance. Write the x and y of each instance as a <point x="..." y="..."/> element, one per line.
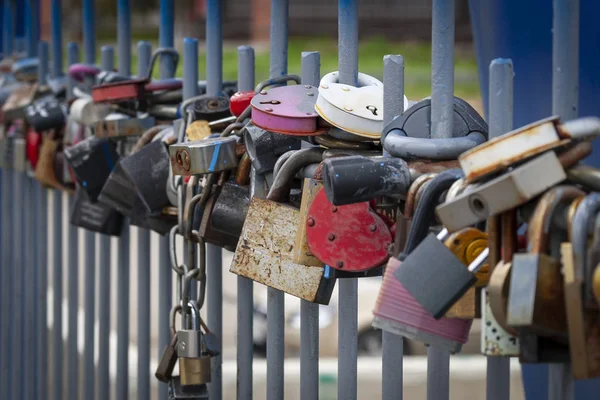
<point x="194" y="361"/>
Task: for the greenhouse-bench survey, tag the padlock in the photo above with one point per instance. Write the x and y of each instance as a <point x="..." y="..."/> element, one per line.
<point x="524" y="143"/>
<point x="288" y="110"/>
<point x="211" y="108"/>
<point x="34" y="143"/>
<point x="354" y="179"/>
<point x="95" y="216"/>
<point x="286" y="169"/>
<point x="593" y="263"/>
<point x="21" y="97"/>
<point x="467" y="244"/>
<point x="350" y="237"/>
<point x="357" y="110"/>
<point x="92" y="160"/>
<point x="194" y="362"/>
<point x="535" y="300"/>
<point x="46" y="113"/>
<point x="271" y="262"/>
<point x="122" y="127"/>
<point x="302" y="253"/>
<point x="203" y="156"/>
<point x="26" y="69"/>
<point x="224" y="215"/>
<point x="239" y="102"/>
<point x="507" y="191"/>
<point x="134" y="89"/>
<point x="409" y="135"/>
<point x="45" y="171"/>
<point x="583" y="323"/>
<point x="580" y="229"/>
<point x="177" y="391"/>
<point x="80" y="72"/>
<point x="84" y="111"/>
<point x="264" y="147"/>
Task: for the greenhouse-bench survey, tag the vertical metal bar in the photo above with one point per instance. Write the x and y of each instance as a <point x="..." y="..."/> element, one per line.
<point x="565" y="102"/>
<point x="190" y="68"/>
<point x="165" y="293"/>
<point x="28" y="271"/>
<point x="143" y="313"/>
<point x="7" y="277"/>
<point x="123" y="315"/>
<point x="500" y="121"/>
<point x="33" y="28"/>
<point x="57" y="264"/>
<point x="18" y="276"/>
<point x="166" y="36"/>
<point x="72" y="58"/>
<point x="276" y="298"/>
<point x="245" y="286"/>
<point x="42" y="295"/>
<point x="565" y="59"/>
<point x="442" y="69"/>
<point x="348" y="288"/>
<point x="44" y="55"/>
<point x="57" y="51"/>
<point x="309" y="312"/>
<point x="8" y="33"/>
<point x="214" y="260"/>
<point x="103" y="385"/>
<point x="89" y="307"/>
<point x="442" y="109"/>
<point x="214" y="47"/>
<point x="89" y="32"/>
<point x="124" y="36"/>
<point x="348" y="41"/>
<point x="73" y="296"/>
<point x="144" y="56"/>
<point x="392" y="345"/>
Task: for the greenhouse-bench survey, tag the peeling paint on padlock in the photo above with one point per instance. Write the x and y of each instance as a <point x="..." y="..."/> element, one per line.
<point x="350" y="238"/>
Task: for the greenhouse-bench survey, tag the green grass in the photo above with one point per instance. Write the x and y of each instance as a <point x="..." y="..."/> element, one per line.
<point x="417" y="57"/>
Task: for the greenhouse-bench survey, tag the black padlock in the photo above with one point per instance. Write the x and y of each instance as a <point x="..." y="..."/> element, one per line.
<point x="230" y="209"/>
<point x="92" y="161"/>
<point x="119" y="192"/>
<point x="189" y="392"/>
<point x="211" y="108"/>
<point x="95" y="217"/>
<point x="46" y="113"/>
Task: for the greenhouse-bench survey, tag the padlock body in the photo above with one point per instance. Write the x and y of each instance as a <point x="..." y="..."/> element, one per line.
<point x="189" y="343"/>
<point x="193" y="392"/>
<point x="194" y="371"/>
<point x="95" y="216"/>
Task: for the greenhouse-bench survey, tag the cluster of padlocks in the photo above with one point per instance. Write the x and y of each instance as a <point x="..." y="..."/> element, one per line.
<point x="291" y="177"/>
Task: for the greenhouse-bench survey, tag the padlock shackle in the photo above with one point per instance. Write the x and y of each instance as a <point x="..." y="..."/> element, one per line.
<point x="158" y="52"/>
<point x="288" y="170"/>
<point x="581" y="227"/>
<point x="425" y="211"/>
<point x="580" y="128"/>
<point x="411" y="195"/>
<point x="363" y="80"/>
<point x="195" y="315"/>
<point x="277" y="81"/>
<point x="538" y="231"/>
<point x="397" y="144"/>
<point x="585" y="175"/>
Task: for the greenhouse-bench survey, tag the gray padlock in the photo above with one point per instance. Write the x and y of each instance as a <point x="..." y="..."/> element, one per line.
<point x="264" y="147"/>
<point x="122" y="127"/>
<point x="581" y="227"/>
<point x="503" y="193"/>
<point x="355" y="179"/>
<point x="435" y="277"/>
<point x="203" y="156"/>
<point x="409" y="135"/>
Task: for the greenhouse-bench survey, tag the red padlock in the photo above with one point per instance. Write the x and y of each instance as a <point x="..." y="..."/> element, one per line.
<point x="348" y="238"/>
<point x="239" y="102"/>
<point x="34" y="142"/>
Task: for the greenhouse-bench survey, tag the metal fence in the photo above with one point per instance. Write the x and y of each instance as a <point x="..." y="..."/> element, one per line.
<point x="38" y="248"/>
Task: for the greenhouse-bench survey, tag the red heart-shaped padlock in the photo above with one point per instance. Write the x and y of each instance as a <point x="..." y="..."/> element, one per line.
<point x="239" y="102"/>
<point x="349" y="238"/>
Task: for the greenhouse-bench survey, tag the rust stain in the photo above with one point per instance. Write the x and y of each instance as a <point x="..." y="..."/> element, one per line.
<point x="426" y="166"/>
<point x="575" y="154"/>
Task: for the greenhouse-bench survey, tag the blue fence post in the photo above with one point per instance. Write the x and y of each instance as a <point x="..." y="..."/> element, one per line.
<point x="166" y="36"/>
<point x="33" y="28"/>
<point x="8" y="33"/>
<point x="124" y="36"/>
<point x="56" y="27"/>
<point x="89" y="32"/>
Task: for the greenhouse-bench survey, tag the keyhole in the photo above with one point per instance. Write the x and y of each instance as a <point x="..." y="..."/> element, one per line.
<point x="270" y="102"/>
<point x="373" y="109"/>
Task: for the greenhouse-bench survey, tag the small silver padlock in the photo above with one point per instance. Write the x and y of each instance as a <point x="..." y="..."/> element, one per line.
<point x="194" y="361"/>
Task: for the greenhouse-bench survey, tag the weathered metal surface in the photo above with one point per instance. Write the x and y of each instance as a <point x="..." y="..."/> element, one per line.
<point x="19" y="99"/>
<point x="203" y="156"/>
<point x="119" y="91"/>
<point x="507" y="191"/>
<point x="495" y="341"/>
<point x="198" y="130"/>
<point x="506" y="150"/>
<point x="350" y="237"/>
<point x="239" y="102"/>
<point x="264" y="253"/>
<point x="123" y="127"/>
<point x="302" y="253"/>
<point x="287" y="109"/>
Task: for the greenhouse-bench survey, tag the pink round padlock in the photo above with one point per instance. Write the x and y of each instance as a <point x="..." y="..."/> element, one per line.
<point x="80" y="71"/>
<point x="397" y="311"/>
<point x="287" y="109"/>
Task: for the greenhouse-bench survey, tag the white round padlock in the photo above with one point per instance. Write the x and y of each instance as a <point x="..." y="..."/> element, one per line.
<point x="358" y="110"/>
<point x="86" y="112"/>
